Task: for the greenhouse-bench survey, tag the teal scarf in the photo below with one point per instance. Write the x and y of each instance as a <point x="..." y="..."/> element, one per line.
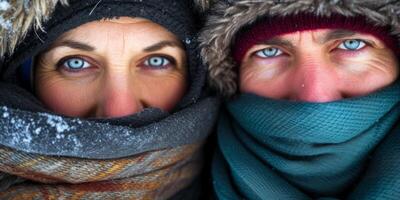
<point x="272" y="149"/>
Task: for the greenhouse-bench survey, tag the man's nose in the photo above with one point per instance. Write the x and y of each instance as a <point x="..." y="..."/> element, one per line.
<point x="315" y="80"/>
<point x="119" y="98"/>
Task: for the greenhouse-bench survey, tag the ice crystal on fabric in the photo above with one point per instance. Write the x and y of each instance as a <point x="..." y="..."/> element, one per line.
<point x="5" y="112"/>
<point x="188" y="41"/>
<point x="37" y="131"/>
<point x="57" y="122"/>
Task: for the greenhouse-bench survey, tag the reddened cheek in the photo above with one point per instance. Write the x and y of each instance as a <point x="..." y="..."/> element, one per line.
<point x="163" y="90"/>
<point x="164" y="94"/>
<point x="65" y="97"/>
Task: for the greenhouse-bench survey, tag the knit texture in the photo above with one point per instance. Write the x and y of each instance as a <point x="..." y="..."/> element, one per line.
<point x="296" y="150"/>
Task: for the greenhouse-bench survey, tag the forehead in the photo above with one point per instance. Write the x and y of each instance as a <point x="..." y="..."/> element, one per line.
<point x="126" y="28"/>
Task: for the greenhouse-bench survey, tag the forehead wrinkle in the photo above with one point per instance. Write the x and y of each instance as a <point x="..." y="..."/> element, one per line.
<point x="116" y="39"/>
<point x="123" y="40"/>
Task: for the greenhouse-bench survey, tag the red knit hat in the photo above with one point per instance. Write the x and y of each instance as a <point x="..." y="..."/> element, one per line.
<point x="268" y="28"/>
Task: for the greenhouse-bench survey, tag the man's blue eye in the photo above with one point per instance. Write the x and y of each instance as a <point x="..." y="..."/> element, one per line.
<point x="75" y="63"/>
<point x="352" y="45"/>
<point x="269" y="52"/>
<point x="157" y="62"/>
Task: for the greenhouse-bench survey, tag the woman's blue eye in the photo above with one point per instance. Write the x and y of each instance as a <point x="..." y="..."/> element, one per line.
<point x="352" y="45"/>
<point x="157" y="62"/>
<point x="75" y="63"/>
<point x="269" y="52"/>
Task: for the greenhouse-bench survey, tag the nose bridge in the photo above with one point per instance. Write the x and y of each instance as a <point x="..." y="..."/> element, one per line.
<point x="315" y="79"/>
<point x="119" y="95"/>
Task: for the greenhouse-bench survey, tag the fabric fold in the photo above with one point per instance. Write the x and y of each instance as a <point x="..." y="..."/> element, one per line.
<point x="287" y="150"/>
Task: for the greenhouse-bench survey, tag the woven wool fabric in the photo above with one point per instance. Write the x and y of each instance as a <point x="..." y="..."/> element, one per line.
<point x="271" y="149"/>
<point x="151" y="175"/>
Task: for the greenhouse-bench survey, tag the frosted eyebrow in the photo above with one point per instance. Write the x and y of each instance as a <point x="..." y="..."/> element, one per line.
<point x="74" y="45"/>
<point x="337" y="34"/>
<point x="163" y="44"/>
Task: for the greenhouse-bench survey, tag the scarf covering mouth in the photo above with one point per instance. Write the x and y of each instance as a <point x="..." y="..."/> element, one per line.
<point x="273" y="149"/>
<point x="150" y="155"/>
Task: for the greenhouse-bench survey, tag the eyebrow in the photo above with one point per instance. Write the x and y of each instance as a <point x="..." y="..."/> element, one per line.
<point x="74" y="45"/>
<point x="337" y="34"/>
<point x="333" y="35"/>
<point x="278" y="42"/>
<point x="163" y="44"/>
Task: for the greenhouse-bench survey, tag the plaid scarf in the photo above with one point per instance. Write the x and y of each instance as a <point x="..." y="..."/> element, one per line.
<point x="151" y="175"/>
<point x="150" y="155"/>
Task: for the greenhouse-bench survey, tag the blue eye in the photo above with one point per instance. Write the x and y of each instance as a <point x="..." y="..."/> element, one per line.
<point x="75" y="63"/>
<point x="269" y="52"/>
<point x="157" y="62"/>
<point x="352" y="45"/>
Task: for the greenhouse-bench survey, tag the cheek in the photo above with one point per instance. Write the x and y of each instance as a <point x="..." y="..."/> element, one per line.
<point x="62" y="96"/>
<point x="162" y="92"/>
<point x="264" y="77"/>
<point x="369" y="73"/>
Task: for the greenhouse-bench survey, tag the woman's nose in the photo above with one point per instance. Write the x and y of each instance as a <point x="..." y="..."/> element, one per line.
<point x="120" y="97"/>
<point x="315" y="81"/>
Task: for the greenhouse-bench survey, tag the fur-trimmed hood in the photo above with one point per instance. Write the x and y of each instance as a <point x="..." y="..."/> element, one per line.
<point x="17" y="17"/>
<point x="227" y="17"/>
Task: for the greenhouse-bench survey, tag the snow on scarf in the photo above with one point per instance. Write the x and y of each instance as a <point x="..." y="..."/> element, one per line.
<point x="150" y="155"/>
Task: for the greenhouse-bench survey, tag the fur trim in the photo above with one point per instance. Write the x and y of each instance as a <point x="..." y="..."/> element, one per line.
<point x="226" y="19"/>
<point x="203" y="5"/>
<point x="19" y="16"/>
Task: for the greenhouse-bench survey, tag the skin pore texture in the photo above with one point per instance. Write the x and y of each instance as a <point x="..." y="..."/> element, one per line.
<point x="320" y="65"/>
<point x="112" y="68"/>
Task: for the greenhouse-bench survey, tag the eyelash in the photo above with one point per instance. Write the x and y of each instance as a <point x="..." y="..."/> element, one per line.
<point x="143" y="64"/>
<point x="341" y="42"/>
<point x="170" y="59"/>
<point x="61" y="63"/>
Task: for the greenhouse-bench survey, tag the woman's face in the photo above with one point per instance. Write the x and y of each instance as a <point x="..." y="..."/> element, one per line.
<point x="112" y="68"/>
<point x="318" y="66"/>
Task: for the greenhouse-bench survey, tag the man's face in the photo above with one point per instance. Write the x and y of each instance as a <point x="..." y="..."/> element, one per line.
<point x="318" y="66"/>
